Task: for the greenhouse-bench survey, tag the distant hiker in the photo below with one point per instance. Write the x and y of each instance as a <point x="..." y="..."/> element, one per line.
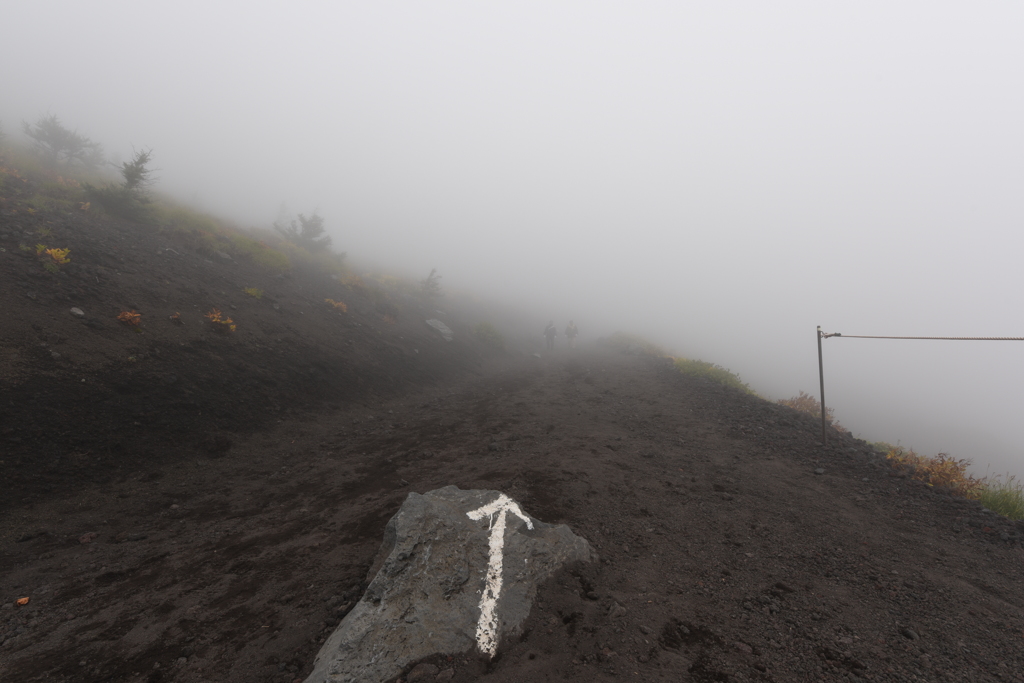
<point x="570" y="334"/>
<point x="550" y="332"/>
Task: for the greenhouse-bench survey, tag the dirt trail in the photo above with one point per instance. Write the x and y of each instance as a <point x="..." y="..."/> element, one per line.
<point x="733" y="547"/>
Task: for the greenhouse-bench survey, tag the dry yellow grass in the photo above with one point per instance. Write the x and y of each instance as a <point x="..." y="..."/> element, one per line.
<point x="938" y="470"/>
<point x="806" y="403"/>
<point x="338" y="305"/>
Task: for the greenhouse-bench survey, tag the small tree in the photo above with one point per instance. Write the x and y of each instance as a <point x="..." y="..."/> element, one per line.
<point x="308" y="233"/>
<point x="59" y="144"/>
<point x="129" y="198"/>
<point x="431" y="286"/>
<point x="135" y="173"/>
<point x="806" y="403"/>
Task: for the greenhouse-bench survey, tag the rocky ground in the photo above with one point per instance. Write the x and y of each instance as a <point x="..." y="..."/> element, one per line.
<point x="183" y="505"/>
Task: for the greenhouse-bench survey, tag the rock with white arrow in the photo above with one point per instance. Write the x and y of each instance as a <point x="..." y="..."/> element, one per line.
<point x="457" y="572"/>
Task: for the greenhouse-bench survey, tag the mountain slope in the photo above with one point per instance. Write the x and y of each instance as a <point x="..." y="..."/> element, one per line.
<point x="85" y="397"/>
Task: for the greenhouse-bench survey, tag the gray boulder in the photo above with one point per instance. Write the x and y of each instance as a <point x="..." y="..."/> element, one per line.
<point x="441" y="329"/>
<point x="457" y="572"/>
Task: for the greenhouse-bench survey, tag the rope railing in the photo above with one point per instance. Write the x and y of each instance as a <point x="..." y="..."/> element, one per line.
<point x="821" y="367"/>
<point x="826" y="335"/>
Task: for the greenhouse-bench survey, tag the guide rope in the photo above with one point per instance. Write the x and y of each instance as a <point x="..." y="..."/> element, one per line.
<point x="821" y="364"/>
<point x="825" y="335"/>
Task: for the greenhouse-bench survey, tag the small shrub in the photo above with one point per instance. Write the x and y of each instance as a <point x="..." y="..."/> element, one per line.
<point x="307" y="233"/>
<point x="939" y="470"/>
<point x="431" y="286"/>
<point x="324" y="262"/>
<point x="1004" y="495"/>
<point x="135" y="173"/>
<point x="129" y="199"/>
<point x="715" y="373"/>
<point x="57" y="257"/>
<point x="220" y="323"/>
<point x="355" y="283"/>
<point x="486" y="333"/>
<point x="132" y="317"/>
<point x="806" y="403"/>
<point x="254" y="292"/>
<point x="338" y="305"/>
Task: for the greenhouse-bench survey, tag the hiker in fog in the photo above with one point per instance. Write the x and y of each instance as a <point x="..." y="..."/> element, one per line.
<point x="550" y="332"/>
<point x="570" y="334"/>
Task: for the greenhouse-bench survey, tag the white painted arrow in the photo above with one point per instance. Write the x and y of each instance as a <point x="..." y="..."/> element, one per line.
<point x="487" y="626"/>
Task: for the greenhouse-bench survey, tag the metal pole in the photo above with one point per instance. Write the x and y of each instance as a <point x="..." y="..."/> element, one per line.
<point x="821" y="382"/>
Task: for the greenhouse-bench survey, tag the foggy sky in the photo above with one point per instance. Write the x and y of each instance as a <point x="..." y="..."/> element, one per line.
<point x="719" y="176"/>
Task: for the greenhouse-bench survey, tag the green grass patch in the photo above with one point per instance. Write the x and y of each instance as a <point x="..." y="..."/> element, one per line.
<point x="323" y="262"/>
<point x="487" y="334"/>
<point x="31" y="166"/>
<point x="259" y="252"/>
<point x="66" y="190"/>
<point x="184" y="220"/>
<point x="41" y="202"/>
<point x="206" y="234"/>
<point x="1004" y="495"/>
<point x="715" y="373"/>
<point x="394" y="284"/>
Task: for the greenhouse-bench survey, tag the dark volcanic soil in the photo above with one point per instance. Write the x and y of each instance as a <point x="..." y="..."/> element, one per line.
<point x="209" y="510"/>
<point x="84" y="398"/>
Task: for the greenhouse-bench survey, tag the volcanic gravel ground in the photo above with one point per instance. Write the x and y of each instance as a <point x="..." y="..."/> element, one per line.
<point x="732" y="545"/>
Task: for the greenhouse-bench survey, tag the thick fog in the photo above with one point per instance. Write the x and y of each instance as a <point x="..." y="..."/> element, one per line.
<point x="721" y="177"/>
